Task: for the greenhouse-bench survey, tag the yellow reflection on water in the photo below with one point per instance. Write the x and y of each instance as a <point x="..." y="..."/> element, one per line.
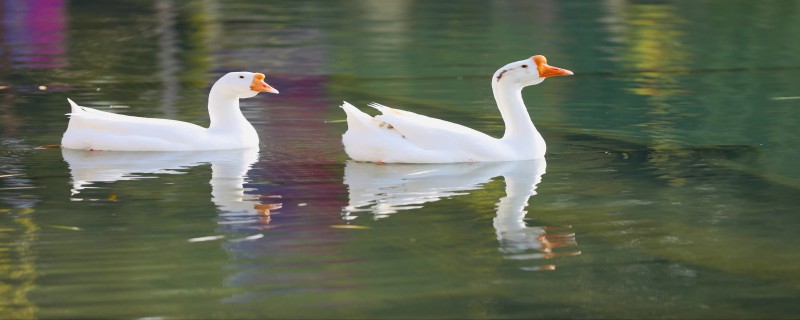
<point x="17" y="269"/>
<point x="652" y="46"/>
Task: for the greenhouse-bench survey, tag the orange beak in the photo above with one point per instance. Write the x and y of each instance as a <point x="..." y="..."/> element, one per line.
<point x="546" y="71"/>
<point x="258" y="84"/>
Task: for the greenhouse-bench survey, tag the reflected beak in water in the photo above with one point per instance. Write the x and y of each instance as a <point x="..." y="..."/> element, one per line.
<point x="258" y="84"/>
<point x="266" y="209"/>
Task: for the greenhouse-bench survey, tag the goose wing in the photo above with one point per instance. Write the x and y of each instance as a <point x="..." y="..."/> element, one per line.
<point x="94" y="129"/>
<point x="427" y="132"/>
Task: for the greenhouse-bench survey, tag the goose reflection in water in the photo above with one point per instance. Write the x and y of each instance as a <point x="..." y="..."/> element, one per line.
<point x="383" y="190"/>
<point x="228" y="176"/>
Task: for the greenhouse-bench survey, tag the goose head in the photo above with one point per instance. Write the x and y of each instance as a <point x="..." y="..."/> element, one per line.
<point x="528" y="72"/>
<point x="243" y="84"/>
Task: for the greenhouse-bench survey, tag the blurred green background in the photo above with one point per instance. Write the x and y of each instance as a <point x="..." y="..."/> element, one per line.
<point x="671" y="161"/>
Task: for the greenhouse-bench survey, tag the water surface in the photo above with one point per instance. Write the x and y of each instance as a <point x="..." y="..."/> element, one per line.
<point x="669" y="189"/>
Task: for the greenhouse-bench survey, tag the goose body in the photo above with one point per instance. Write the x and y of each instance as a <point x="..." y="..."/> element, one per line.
<point x="92" y="129"/>
<point x="406" y="137"/>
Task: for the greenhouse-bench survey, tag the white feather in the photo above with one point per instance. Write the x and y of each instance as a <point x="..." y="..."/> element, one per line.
<point x="92" y="129"/>
<point x="402" y="136"/>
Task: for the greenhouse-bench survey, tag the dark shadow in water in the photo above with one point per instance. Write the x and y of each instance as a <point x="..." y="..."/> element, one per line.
<point x="383" y="190"/>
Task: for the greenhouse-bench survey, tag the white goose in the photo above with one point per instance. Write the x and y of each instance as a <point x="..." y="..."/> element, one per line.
<point x="407" y="137"/>
<point x="91" y="129"/>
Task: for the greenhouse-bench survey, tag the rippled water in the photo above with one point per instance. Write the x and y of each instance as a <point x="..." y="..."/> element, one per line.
<point x="669" y="189"/>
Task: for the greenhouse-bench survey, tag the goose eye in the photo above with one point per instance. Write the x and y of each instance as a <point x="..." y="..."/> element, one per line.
<point x="241" y="77"/>
<point x="524" y="65"/>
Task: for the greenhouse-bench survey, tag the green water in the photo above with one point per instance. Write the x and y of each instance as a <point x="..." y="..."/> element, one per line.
<point x="671" y="184"/>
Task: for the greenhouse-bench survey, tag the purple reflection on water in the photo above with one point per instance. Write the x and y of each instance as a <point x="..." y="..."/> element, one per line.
<point x="33" y="33"/>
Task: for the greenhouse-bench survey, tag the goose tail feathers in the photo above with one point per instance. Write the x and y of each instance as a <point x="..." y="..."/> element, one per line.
<point x="74" y="106"/>
<point x="356" y="118"/>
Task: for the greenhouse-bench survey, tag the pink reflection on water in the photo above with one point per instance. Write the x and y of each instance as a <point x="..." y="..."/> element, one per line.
<point x="33" y="33"/>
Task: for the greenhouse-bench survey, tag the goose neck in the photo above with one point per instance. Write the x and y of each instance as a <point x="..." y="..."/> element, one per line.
<point x="513" y="110"/>
<point x="223" y="110"/>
